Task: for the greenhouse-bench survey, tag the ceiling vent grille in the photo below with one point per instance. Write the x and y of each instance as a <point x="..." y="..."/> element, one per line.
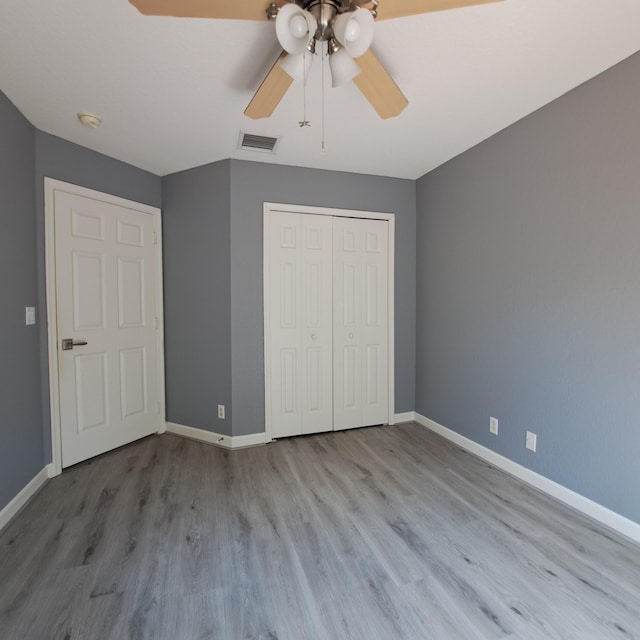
<point x="253" y="142"/>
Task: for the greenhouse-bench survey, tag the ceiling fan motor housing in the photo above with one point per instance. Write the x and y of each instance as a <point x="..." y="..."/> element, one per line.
<point x="324" y="11"/>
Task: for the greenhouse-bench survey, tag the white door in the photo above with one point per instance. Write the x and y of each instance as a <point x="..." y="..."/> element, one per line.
<point x="106" y="272"/>
<point x="361" y="323"/>
<point x="300" y="324"/>
<point x="326" y="322"/>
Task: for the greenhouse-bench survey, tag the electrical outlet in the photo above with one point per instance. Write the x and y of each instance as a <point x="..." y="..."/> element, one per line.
<point x="531" y="441"/>
<point x="221" y="411"/>
<point x="29" y="315"/>
<point x="493" y="426"/>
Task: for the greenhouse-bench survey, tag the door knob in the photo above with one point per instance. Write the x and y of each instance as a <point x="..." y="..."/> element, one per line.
<point x="69" y="343"/>
<point x="313" y="336"/>
<point x="351" y="336"/>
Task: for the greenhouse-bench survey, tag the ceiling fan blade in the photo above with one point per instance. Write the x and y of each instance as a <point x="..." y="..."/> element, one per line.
<point x="232" y="9"/>
<point x="270" y="92"/>
<point x="378" y="87"/>
<point x="399" y="8"/>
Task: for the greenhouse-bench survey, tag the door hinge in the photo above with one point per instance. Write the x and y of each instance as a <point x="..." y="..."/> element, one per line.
<point x="158" y="407"/>
<point x="156" y="323"/>
<point x="155" y="238"/>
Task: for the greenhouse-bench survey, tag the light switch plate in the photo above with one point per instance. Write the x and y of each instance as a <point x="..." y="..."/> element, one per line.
<point x="531" y="441"/>
<point x="29" y="315"/>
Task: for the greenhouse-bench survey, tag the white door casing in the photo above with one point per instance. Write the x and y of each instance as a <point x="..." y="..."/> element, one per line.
<point x="376" y="406"/>
<point x="300" y="340"/>
<point x="104" y="287"/>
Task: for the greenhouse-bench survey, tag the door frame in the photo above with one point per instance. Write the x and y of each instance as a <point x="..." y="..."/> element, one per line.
<point x="51" y="186"/>
<point x="270" y="207"/>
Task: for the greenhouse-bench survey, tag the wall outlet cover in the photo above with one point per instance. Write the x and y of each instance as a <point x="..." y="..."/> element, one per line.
<point x="493" y="425"/>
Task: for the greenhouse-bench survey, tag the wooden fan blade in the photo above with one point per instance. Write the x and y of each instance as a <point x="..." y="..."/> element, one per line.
<point x="270" y="92"/>
<point x="232" y="9"/>
<point x="378" y="87"/>
<point x="399" y="8"/>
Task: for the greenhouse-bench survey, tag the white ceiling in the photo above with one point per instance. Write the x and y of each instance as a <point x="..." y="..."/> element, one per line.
<point x="171" y="91"/>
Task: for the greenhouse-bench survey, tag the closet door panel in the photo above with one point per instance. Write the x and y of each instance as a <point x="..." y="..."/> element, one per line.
<point x="301" y="324"/>
<point x="348" y="299"/>
<point x="286" y="362"/>
<point x="360" y="322"/>
<point x="375" y="324"/>
<point x="317" y="319"/>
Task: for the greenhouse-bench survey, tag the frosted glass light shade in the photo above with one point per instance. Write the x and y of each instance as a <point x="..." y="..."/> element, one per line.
<point x="298" y="26"/>
<point x="297" y="66"/>
<point x="343" y="68"/>
<point x="354" y="31"/>
<point x="295" y="28"/>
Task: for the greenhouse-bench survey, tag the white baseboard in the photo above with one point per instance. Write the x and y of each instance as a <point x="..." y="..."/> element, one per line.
<point x="23" y="497"/>
<point x="593" y="510"/>
<point x="407" y="416"/>
<point x="217" y="439"/>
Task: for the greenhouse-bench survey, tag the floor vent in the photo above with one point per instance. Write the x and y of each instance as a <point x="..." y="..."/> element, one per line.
<point x="253" y="142"/>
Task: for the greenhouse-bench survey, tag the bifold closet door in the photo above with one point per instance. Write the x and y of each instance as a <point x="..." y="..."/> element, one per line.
<point x="300" y="324"/>
<point x="361" y="324"/>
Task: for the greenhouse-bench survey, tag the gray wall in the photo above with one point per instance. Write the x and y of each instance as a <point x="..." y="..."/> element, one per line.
<point x="197" y="296"/>
<point x="252" y="184"/>
<point x="21" y="454"/>
<point x="528" y="275"/>
<point x="62" y="160"/>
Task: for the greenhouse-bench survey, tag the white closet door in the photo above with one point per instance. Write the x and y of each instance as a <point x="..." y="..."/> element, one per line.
<point x="317" y="323"/>
<point x="375" y="322"/>
<point x="300" y="321"/>
<point x="360" y="322"/>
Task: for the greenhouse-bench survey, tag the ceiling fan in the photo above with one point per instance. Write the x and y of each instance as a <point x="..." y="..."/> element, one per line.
<point x="345" y="25"/>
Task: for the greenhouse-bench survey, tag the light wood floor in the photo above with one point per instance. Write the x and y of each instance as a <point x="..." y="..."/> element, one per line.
<point x="373" y="534"/>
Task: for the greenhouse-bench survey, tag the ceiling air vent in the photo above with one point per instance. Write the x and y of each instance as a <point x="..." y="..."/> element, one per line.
<point x="253" y="142"/>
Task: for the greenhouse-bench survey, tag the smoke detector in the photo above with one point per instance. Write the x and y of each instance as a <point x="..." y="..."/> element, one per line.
<point x="89" y="120"/>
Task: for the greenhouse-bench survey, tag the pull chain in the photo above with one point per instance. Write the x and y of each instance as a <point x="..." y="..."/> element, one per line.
<point x="304" y="122"/>
<point x="324" y="54"/>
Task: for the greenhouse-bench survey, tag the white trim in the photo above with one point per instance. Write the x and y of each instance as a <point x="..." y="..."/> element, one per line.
<point x="23" y="497"/>
<point x="593" y="510"/>
<point x="391" y="307"/>
<point x="270" y="207"/>
<point x="327" y="211"/>
<point x="266" y="310"/>
<point x="50" y="188"/>
<point x="157" y="213"/>
<point x="407" y="416"/>
<point x="217" y="439"/>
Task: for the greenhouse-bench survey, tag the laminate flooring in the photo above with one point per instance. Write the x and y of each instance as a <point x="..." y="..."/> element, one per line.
<point x="378" y="533"/>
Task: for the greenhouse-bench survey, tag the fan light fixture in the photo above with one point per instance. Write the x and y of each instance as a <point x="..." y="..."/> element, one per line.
<point x="295" y="28"/>
<point x="297" y="66"/>
<point x="354" y="31"/>
<point x="343" y="66"/>
<point x="348" y="35"/>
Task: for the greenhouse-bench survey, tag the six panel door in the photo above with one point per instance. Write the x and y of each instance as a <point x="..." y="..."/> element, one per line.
<point x="106" y="282"/>
<point x="300" y="323"/>
<point x="327" y="324"/>
<point x="361" y="324"/>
